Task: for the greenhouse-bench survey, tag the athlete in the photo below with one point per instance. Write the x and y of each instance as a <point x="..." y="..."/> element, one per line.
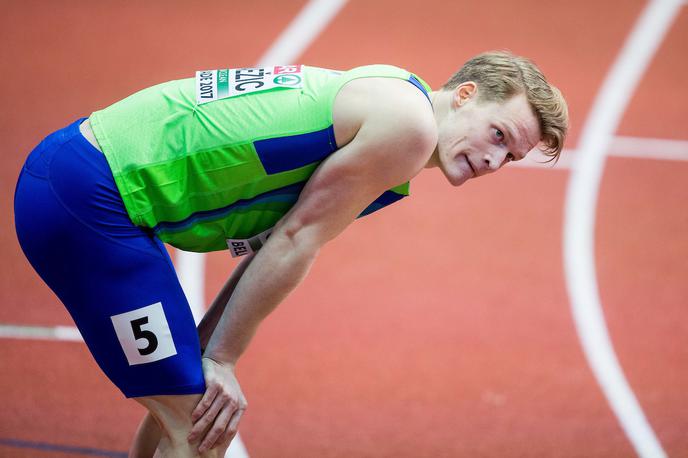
<point x="270" y="163"/>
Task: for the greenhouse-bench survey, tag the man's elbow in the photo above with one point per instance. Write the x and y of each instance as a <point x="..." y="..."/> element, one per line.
<point x="299" y="237"/>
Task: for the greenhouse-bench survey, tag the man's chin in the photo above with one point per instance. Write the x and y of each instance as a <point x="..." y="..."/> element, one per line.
<point x="458" y="180"/>
<point x="456" y="176"/>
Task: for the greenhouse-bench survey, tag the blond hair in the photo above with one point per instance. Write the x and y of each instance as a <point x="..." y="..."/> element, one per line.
<point x="500" y="75"/>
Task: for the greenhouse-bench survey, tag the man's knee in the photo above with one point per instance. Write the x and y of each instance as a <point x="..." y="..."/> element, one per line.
<point x="172" y="413"/>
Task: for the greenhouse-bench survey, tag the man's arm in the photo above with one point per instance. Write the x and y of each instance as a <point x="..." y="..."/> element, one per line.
<point x="393" y="144"/>
<point x="212" y="316"/>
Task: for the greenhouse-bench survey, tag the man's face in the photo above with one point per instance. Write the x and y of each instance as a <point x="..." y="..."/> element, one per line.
<point x="478" y="137"/>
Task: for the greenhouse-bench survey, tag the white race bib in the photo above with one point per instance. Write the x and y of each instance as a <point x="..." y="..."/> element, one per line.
<point x="214" y="85"/>
<point x="144" y="334"/>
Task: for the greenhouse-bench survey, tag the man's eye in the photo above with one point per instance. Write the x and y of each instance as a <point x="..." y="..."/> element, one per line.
<point x="499" y="134"/>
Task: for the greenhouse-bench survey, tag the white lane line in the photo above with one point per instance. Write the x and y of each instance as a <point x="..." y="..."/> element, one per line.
<point x="302" y="31"/>
<point x="64" y="333"/>
<point x="654" y="148"/>
<point x="293" y="41"/>
<point x="579" y="220"/>
<point x="633" y="147"/>
<point x="191" y="272"/>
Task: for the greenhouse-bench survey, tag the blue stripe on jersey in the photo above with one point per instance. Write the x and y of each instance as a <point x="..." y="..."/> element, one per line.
<point x="388" y="197"/>
<point x="413" y="80"/>
<point x="289" y="194"/>
<point x="286" y="194"/>
<point x="291" y="152"/>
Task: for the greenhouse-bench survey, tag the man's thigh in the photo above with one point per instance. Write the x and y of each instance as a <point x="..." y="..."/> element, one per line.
<point x="115" y="279"/>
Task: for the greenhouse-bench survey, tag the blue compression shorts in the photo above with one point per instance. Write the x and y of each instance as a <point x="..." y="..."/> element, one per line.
<point x="116" y="279"/>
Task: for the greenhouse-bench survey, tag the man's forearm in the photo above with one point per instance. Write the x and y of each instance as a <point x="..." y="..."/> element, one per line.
<point x="274" y="272"/>
<point x="217" y="307"/>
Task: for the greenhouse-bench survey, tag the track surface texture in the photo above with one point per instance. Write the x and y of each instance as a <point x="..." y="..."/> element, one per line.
<point x="438" y="327"/>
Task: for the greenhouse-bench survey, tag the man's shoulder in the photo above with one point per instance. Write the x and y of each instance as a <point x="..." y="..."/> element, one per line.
<point x="390" y="106"/>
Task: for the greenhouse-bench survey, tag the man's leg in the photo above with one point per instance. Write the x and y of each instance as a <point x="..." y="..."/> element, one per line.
<point x="146" y="438"/>
<point x="148" y="434"/>
<point x="172" y="418"/>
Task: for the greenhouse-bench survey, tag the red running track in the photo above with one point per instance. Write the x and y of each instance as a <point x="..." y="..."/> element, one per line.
<point x="438" y="327"/>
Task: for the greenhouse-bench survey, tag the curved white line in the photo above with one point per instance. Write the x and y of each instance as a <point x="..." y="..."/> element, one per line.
<point x="579" y="220"/>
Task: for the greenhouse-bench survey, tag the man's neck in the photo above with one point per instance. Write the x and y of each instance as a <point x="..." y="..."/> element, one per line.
<point x="438" y="100"/>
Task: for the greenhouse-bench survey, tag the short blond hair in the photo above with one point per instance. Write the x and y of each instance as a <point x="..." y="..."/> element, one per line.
<point x="500" y="75"/>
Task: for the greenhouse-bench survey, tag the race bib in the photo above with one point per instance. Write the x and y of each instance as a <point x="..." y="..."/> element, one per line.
<point x="214" y="85"/>
<point x="144" y="334"/>
<point x="242" y="247"/>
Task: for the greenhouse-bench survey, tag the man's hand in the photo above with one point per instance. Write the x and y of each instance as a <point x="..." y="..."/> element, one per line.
<point x="219" y="411"/>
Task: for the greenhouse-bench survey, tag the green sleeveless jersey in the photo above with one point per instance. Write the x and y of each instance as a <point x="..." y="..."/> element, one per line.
<point x="215" y="161"/>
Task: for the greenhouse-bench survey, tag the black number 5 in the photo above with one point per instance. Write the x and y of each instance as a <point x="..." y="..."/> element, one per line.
<point x="143" y="334"/>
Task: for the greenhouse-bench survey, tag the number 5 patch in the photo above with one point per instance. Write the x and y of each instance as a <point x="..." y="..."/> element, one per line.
<point x="144" y="334"/>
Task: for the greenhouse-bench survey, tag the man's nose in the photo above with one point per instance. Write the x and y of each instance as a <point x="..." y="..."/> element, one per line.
<point x="494" y="160"/>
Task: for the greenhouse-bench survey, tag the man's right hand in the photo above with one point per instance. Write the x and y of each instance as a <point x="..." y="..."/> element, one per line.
<point x="219" y="411"/>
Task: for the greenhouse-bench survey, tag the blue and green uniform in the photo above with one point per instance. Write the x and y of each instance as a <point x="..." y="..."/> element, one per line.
<point x="200" y="174"/>
<point x="197" y="163"/>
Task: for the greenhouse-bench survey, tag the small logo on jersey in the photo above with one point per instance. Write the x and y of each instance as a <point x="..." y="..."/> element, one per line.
<point x="287" y="80"/>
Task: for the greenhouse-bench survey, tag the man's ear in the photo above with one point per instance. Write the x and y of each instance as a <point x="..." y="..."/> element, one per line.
<point x="464" y="92"/>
